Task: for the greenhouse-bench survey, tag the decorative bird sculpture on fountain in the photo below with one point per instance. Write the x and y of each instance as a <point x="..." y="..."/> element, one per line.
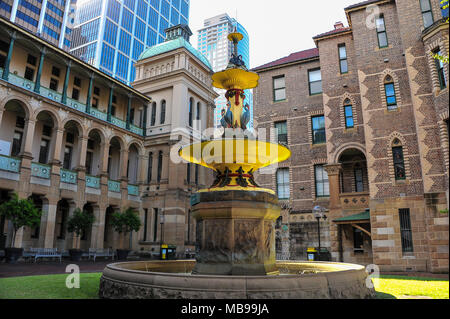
<point x="245" y="117"/>
<point x="227" y="117"/>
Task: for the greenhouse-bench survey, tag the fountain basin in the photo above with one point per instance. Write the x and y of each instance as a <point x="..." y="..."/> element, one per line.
<point x="173" y="280"/>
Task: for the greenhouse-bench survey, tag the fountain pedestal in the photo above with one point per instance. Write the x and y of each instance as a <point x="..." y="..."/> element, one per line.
<point x="235" y="233"/>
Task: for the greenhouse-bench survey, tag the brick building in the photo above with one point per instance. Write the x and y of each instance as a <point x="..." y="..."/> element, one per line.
<point x="365" y="114"/>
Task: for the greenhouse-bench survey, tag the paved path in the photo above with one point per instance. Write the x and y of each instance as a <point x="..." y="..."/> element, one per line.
<point x="49" y="268"/>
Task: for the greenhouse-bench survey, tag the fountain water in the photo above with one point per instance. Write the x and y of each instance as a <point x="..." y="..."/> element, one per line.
<point x="235" y="225"/>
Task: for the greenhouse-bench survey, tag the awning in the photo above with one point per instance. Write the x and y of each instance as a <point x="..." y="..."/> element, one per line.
<point x="357" y="218"/>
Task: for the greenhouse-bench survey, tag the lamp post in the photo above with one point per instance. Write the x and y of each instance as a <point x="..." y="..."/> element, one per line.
<point x="319" y="213"/>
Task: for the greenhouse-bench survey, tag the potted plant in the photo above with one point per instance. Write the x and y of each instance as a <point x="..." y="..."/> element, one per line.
<point x="20" y="212"/>
<point x="78" y="223"/>
<point x="124" y="223"/>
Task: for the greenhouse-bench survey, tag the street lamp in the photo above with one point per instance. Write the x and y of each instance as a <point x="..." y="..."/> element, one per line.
<point x="319" y="213"/>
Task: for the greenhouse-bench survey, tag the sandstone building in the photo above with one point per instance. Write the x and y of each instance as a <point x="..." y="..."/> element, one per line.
<point x="365" y="114"/>
<point x="73" y="137"/>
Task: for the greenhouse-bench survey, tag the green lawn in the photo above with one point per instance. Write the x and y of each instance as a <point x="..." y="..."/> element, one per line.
<point x="54" y="287"/>
<point x="400" y="287"/>
<point x="49" y="287"/>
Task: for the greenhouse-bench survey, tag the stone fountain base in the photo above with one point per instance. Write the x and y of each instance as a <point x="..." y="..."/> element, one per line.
<point x="173" y="280"/>
<point x="235" y="233"/>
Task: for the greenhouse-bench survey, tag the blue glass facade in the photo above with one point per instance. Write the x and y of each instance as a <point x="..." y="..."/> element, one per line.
<point x="124" y="30"/>
<point x="47" y="18"/>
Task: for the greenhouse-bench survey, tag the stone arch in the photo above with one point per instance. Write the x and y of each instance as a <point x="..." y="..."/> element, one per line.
<point x="55" y="116"/>
<point x="438" y="43"/>
<point x="122" y="142"/>
<point x="347" y="146"/>
<point x="139" y="146"/>
<point x="19" y="99"/>
<point x="81" y="128"/>
<point x="100" y="131"/>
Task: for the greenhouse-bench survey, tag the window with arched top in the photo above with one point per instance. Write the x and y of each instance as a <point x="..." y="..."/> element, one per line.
<point x="198" y="111"/>
<point x="348" y="113"/>
<point x="163" y="112"/>
<point x="153" y="118"/>
<point x="191" y="107"/>
<point x="391" y="96"/>
<point x="398" y="159"/>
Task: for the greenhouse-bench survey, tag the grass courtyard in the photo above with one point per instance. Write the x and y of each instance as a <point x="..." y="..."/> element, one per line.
<point x="54" y="287"/>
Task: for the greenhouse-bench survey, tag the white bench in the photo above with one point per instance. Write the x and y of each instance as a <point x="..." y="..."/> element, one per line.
<point x="46" y="253"/>
<point x="97" y="252"/>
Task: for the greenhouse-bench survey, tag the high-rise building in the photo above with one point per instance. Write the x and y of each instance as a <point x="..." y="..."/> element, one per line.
<point x="47" y="18"/>
<point x="112" y="34"/>
<point x="214" y="44"/>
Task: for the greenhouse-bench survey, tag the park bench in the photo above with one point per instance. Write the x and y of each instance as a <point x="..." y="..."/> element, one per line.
<point x="94" y="252"/>
<point x="46" y="253"/>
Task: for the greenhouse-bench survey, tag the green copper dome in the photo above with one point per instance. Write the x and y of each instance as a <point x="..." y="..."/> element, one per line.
<point x="173" y="45"/>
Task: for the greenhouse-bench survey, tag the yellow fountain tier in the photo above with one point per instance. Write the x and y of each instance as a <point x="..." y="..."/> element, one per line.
<point x="235" y="79"/>
<point x="235" y="161"/>
<point x="235" y="37"/>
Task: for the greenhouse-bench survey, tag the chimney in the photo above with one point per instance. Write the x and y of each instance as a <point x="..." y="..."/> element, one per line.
<point x="338" y="25"/>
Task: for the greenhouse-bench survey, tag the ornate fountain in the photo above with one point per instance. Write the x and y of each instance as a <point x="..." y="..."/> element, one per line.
<point x="235" y="224"/>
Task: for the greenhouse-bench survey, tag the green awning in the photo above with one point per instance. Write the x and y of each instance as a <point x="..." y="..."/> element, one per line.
<point x="365" y="216"/>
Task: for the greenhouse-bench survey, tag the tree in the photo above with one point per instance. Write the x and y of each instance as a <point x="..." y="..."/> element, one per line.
<point x="79" y="222"/>
<point x="124" y="223"/>
<point x="20" y="212"/>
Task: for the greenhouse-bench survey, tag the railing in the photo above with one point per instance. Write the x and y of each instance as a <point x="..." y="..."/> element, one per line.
<point x="99" y="114"/>
<point x="68" y="177"/>
<point x="133" y="190"/>
<point x="19" y="81"/>
<point x="10" y="164"/>
<point x="136" y="130"/>
<point x="118" y="122"/>
<point x="76" y="105"/>
<point x="56" y="96"/>
<point x="52" y="95"/>
<point x="354" y="200"/>
<point x="114" y="186"/>
<point x="40" y="170"/>
<point x="92" y="182"/>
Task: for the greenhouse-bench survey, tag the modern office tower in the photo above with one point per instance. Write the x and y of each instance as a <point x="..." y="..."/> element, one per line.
<point x="112" y="34"/>
<point x="214" y="44"/>
<point x="48" y="19"/>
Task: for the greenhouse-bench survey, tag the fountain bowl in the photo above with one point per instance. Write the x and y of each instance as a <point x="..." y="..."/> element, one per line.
<point x="173" y="280"/>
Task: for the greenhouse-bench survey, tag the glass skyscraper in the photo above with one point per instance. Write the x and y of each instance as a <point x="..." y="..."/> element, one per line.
<point x="112" y="34"/>
<point x="50" y="19"/>
<point x="214" y="44"/>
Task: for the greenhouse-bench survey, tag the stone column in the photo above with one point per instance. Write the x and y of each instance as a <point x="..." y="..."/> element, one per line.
<point x="1" y="115"/>
<point x="143" y="167"/>
<point x="123" y="165"/>
<point x="98" y="228"/>
<point x="333" y="171"/>
<point x="47" y="228"/>
<point x="27" y="147"/>
<point x="104" y="152"/>
<point x="73" y="240"/>
<point x="128" y="120"/>
<point x="83" y="150"/>
<point x="56" y="158"/>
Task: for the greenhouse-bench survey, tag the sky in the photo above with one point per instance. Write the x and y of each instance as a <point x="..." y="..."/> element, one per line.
<point x="276" y="28"/>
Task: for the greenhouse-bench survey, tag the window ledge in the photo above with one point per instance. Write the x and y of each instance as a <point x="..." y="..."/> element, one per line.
<point x="396" y="110"/>
<point x="438" y="91"/>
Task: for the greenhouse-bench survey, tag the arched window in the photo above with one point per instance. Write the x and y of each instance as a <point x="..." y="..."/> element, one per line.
<point x="160" y="163"/>
<point x="191" y="106"/>
<point x="389" y="90"/>
<point x="163" y="112"/>
<point x="359" y="178"/>
<point x="348" y="112"/>
<point x="198" y="111"/>
<point x="150" y="168"/>
<point x="153" y="120"/>
<point x="399" y="160"/>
